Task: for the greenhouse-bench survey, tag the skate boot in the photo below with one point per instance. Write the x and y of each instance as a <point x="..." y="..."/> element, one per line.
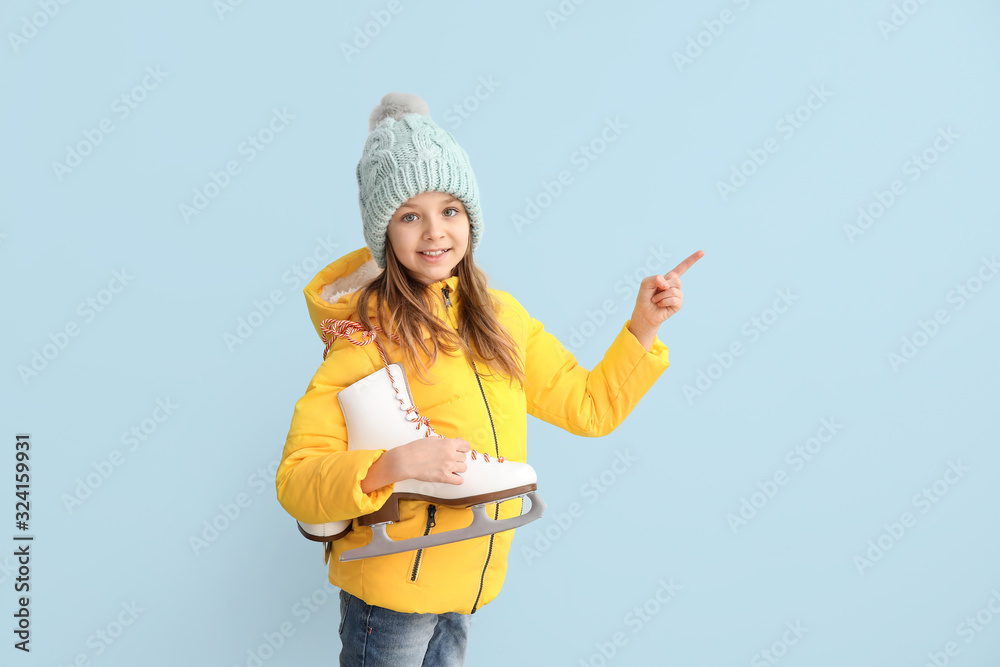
<point x="325" y="532"/>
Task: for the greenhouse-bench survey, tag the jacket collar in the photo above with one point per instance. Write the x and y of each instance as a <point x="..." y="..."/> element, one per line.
<point x="451" y="282"/>
<point x="440" y="307"/>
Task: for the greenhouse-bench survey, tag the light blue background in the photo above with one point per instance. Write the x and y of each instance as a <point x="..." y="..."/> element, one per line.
<point x="695" y="457"/>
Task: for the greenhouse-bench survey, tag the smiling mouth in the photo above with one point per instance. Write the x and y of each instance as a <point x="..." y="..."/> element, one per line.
<point x="436" y="253"/>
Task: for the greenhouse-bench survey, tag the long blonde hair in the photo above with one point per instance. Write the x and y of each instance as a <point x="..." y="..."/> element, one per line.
<point x="403" y="308"/>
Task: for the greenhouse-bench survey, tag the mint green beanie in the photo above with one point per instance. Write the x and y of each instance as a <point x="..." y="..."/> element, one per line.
<point x="405" y="155"/>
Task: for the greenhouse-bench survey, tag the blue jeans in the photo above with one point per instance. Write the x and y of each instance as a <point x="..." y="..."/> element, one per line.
<point x="378" y="637"/>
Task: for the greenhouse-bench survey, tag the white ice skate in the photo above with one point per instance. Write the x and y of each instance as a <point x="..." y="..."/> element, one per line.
<point x="380" y="414"/>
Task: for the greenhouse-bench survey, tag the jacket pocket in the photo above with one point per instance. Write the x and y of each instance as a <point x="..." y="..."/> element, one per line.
<point x="418" y="557"/>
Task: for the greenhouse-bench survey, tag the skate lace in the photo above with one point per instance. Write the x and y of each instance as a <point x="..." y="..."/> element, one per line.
<point x="500" y="459"/>
<point x="331" y="329"/>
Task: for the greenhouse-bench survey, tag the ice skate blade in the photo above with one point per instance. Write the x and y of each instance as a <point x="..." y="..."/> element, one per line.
<point x="482" y="525"/>
<point x="389" y="512"/>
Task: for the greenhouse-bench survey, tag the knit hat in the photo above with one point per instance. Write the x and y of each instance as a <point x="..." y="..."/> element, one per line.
<point x="407" y="154"/>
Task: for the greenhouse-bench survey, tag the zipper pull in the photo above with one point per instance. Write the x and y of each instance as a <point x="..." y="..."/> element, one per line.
<point x="445" y="290"/>
<point x="431" y="521"/>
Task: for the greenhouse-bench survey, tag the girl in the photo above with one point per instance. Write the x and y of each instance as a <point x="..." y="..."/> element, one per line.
<point x="478" y="364"/>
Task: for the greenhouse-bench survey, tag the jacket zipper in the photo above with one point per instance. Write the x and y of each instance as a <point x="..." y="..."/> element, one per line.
<point x="431" y="510"/>
<point x="496" y="445"/>
<point x="496" y="510"/>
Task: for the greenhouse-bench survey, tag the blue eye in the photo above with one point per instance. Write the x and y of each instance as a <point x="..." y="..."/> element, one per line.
<point x="404" y="218"/>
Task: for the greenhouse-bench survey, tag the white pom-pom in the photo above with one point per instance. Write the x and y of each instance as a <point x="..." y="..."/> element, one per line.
<point x="395" y="105"/>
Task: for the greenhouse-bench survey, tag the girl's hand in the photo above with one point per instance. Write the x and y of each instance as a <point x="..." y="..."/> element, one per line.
<point x="427" y="459"/>
<point x="659" y="298"/>
<point x="433" y="459"/>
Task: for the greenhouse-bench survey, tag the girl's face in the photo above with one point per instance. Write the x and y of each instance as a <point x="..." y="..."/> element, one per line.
<point x="431" y="221"/>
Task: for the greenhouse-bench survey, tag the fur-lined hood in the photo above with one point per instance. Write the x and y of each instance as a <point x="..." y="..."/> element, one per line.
<point x="333" y="292"/>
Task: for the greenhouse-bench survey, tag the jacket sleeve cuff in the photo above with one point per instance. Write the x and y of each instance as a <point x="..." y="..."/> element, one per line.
<point x="366" y="503"/>
<point x="320" y="488"/>
<point x="657" y="358"/>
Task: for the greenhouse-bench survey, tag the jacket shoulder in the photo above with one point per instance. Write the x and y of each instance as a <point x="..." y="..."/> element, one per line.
<point x="346" y="363"/>
<point x="509" y="305"/>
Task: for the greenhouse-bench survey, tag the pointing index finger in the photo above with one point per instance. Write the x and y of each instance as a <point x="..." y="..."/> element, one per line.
<point x="686" y="264"/>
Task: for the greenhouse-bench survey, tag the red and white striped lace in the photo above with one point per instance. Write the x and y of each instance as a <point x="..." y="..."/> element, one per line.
<point x="331" y="329"/>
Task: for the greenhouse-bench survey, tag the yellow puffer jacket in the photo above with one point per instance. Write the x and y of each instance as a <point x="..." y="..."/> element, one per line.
<point x="318" y="480"/>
